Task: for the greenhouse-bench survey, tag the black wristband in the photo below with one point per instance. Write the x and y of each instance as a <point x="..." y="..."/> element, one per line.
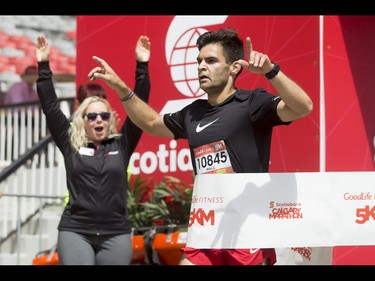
<point x="275" y="69"/>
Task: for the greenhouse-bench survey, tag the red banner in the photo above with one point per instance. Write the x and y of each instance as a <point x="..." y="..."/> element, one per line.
<point x="174" y="77"/>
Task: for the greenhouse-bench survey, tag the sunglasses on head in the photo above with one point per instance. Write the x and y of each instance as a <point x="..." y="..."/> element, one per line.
<point x="104" y="115"/>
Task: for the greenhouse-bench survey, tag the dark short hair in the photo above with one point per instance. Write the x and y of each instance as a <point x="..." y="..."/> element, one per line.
<point x="228" y="38"/>
<point x="89" y="90"/>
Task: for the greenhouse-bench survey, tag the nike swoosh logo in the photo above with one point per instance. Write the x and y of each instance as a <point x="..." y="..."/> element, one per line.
<point x="254" y="250"/>
<point x="199" y="128"/>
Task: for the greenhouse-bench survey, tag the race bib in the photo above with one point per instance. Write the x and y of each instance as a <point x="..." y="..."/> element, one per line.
<point x="212" y="158"/>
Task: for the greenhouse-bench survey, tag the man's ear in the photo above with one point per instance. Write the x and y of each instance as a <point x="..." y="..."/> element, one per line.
<point x="235" y="68"/>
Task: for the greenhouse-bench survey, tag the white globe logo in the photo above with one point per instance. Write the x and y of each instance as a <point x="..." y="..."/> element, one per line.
<point x="183" y="63"/>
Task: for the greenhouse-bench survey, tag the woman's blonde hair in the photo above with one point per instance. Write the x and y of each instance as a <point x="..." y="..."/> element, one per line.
<point x="78" y="135"/>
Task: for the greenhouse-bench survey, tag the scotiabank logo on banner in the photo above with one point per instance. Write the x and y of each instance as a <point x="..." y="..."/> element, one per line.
<point x="181" y="56"/>
<point x="285" y="210"/>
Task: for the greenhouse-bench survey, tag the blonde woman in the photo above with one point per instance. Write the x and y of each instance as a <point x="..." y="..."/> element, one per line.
<point x="94" y="228"/>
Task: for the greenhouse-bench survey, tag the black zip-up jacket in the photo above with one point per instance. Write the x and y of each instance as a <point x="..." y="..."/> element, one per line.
<point x="97" y="184"/>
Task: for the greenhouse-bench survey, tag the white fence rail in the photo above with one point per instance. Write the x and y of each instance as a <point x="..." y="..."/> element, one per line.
<point x="42" y="175"/>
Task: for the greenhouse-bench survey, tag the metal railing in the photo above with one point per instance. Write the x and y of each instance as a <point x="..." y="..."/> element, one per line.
<point x="20" y="223"/>
<point x="32" y="174"/>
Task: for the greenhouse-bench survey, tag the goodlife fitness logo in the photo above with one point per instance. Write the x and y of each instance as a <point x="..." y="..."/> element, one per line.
<point x="181" y="54"/>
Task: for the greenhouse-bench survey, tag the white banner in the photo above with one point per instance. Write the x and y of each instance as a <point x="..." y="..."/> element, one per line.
<point x="282" y="210"/>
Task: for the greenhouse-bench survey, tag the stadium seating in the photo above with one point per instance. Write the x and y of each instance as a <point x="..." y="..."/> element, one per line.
<point x="17" y="44"/>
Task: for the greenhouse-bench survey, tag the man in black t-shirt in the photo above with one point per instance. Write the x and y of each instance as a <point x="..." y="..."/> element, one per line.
<point x="233" y="127"/>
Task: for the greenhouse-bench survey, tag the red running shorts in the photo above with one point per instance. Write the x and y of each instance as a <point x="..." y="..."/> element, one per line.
<point x="253" y="256"/>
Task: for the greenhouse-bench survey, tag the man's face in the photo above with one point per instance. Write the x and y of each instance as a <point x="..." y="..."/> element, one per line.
<point x="30" y="75"/>
<point x="30" y="78"/>
<point x="213" y="71"/>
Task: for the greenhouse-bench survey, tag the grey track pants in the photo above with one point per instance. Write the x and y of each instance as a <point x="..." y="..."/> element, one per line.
<point x="88" y="249"/>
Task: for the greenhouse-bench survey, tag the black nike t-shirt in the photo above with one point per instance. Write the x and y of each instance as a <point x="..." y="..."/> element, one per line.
<point x="244" y="121"/>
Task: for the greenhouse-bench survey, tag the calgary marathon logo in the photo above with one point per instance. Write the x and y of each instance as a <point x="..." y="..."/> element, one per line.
<point x="285" y="210"/>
